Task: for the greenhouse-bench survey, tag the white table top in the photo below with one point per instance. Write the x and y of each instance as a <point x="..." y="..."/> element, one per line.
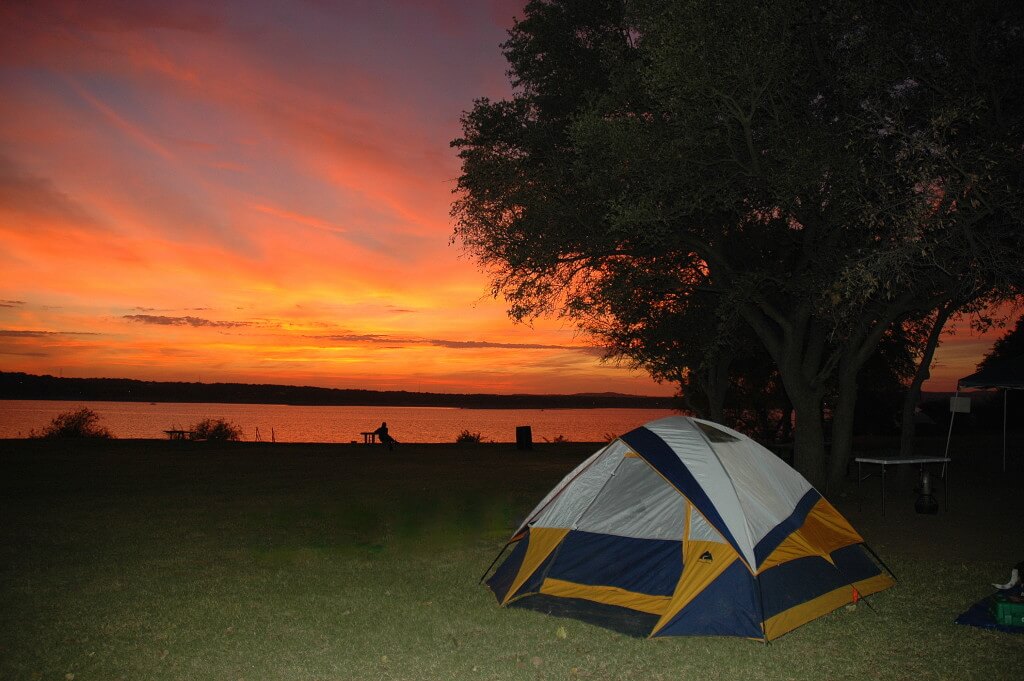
<point x="884" y="460"/>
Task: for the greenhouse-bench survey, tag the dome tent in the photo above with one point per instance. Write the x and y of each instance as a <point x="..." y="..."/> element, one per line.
<point x="686" y="527"/>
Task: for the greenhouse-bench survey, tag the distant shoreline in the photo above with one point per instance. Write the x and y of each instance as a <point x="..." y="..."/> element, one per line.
<point x="581" y="448"/>
<point x="21" y="386"/>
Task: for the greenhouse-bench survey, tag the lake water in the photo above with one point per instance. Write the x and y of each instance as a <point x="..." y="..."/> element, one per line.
<point x="286" y="423"/>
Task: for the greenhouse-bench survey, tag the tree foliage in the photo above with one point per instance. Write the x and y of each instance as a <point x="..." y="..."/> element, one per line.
<point x="1009" y="346"/>
<point x="680" y="178"/>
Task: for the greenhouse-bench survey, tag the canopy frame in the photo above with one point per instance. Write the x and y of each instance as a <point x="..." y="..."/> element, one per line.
<point x="1006" y="376"/>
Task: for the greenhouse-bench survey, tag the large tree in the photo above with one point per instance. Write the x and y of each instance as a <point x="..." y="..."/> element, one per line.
<point x="815" y="174"/>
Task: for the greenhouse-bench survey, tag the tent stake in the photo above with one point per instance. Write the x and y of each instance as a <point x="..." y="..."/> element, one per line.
<point x="868" y="603"/>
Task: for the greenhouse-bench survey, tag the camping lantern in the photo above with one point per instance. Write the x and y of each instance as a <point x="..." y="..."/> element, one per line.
<point x="926" y="502"/>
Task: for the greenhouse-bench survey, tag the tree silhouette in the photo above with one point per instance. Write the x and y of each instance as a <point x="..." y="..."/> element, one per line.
<point x="1009" y="346"/>
<point x="824" y="172"/>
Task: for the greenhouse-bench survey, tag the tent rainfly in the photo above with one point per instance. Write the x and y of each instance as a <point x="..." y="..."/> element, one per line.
<point x="686" y="527"/>
<point x="1006" y="375"/>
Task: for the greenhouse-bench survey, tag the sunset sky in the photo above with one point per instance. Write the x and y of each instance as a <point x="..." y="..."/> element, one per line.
<point x="259" y="192"/>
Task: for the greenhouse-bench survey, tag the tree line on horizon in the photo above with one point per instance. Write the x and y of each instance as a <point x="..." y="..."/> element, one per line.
<point x="22" y="386"/>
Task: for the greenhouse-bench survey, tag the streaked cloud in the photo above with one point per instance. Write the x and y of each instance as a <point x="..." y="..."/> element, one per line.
<point x="31" y="199"/>
<point x="16" y="333"/>
<point x="161" y="320"/>
<point x="442" y="343"/>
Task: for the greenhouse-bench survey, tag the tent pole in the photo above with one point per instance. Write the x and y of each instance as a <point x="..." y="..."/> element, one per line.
<point x="880" y="561"/>
<point x="484" y="575"/>
<point x="952" y="416"/>
<point x="760" y="598"/>
<point x="1005" y="391"/>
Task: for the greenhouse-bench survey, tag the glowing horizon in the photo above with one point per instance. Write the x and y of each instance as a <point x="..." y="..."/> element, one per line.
<point x="222" y="193"/>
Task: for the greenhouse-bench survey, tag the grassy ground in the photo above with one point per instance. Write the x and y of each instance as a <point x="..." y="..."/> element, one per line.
<point x="157" y="560"/>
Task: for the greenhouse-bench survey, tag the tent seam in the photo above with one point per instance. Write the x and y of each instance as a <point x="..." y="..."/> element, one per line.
<point x="736" y="494"/>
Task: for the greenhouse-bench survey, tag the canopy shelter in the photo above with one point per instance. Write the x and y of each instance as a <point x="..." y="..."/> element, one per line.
<point x="1006" y="376"/>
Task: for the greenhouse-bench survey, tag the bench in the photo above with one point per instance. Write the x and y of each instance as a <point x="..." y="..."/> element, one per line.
<point x="369" y="437"/>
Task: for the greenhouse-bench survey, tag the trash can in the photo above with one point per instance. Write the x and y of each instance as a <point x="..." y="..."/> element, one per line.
<point x="524" y="437"/>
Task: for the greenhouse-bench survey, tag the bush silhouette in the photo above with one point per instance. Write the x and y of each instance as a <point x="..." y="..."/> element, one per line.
<point x="468" y="438"/>
<point x="215" y="429"/>
<point x="78" y="423"/>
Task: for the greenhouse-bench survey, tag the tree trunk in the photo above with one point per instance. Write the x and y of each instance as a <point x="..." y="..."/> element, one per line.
<point x="715" y="391"/>
<point x="797" y="348"/>
<point x="842" y="429"/>
<point x="809" y="440"/>
<point x="716" y="406"/>
<point x="857" y="349"/>
<point x="913" y="395"/>
<point x="716" y="386"/>
<point x="786" y="431"/>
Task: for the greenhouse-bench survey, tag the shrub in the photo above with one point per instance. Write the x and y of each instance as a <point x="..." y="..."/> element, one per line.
<point x="468" y="438"/>
<point x="217" y="430"/>
<point x="79" y="423"/>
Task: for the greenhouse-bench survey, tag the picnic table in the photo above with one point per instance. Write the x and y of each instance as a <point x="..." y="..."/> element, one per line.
<point x="885" y="461"/>
<point x="369" y="437"/>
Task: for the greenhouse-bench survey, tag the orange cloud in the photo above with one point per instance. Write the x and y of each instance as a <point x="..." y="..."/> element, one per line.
<point x="963" y="347"/>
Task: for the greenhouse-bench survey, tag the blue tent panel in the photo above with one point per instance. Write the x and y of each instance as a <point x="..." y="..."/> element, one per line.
<point x="647" y="566"/>
<point x="622" y="620"/>
<point x="727" y="607"/>
<point x="534" y="581"/>
<point x="801" y="580"/>
<point x="501" y="581"/>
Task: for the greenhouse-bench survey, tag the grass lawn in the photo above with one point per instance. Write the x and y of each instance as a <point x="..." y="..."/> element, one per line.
<point x="158" y="560"/>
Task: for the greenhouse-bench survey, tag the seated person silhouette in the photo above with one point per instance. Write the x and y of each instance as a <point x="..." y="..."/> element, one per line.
<point x="385" y="438"/>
